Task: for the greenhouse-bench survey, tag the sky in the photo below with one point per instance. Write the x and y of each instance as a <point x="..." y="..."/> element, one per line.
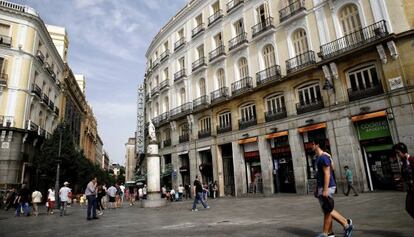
<point x="108" y="40"/>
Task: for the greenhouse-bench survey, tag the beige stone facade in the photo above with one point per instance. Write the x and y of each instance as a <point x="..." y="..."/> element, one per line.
<point x="238" y="90"/>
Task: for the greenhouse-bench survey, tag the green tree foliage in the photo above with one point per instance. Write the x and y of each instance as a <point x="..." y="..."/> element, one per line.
<point x="74" y="167"/>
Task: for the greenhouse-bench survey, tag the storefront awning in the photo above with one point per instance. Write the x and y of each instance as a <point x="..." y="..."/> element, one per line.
<point x="278" y="134"/>
<point x="369" y="116"/>
<point x="382" y="147"/>
<point x="248" y="140"/>
<point x="312" y="127"/>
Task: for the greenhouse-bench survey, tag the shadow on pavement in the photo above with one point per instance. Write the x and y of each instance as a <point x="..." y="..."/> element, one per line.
<point x="384" y="233"/>
<point x="298" y="231"/>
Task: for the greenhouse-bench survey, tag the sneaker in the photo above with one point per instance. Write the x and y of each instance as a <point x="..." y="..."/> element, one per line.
<point x="322" y="235"/>
<point x="208" y="207"/>
<point x="331" y="234"/>
<point x="100" y="213"/>
<point x="348" y="230"/>
<point x="194" y="209"/>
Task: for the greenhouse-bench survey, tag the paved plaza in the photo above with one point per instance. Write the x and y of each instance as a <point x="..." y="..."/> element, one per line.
<point x="374" y="214"/>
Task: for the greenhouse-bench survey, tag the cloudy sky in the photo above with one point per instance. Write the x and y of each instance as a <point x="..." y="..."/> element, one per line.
<point x="107" y="43"/>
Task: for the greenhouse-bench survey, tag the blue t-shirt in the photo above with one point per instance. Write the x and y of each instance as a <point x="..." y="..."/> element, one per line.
<point x="323" y="161"/>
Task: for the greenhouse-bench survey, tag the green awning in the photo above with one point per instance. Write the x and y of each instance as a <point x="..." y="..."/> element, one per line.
<point x="381" y="147"/>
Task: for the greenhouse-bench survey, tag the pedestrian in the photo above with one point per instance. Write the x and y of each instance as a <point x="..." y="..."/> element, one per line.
<point x="215" y="189"/>
<point x="163" y="192"/>
<point x="349" y="180"/>
<point x="407" y="171"/>
<point x="205" y="192"/>
<point x="122" y="194"/>
<point x="144" y="191"/>
<point x="64" y="194"/>
<point x="17" y="204"/>
<point x="101" y="194"/>
<point x="131" y="191"/>
<point x="111" y="195"/>
<point x="10" y="197"/>
<point x="91" y="192"/>
<point x="118" y="196"/>
<point x="180" y="192"/>
<point x="25" y="199"/>
<point x="198" y="194"/>
<point x="325" y="189"/>
<point x="172" y="194"/>
<point x="50" y="200"/>
<point x="36" y="200"/>
<point x="140" y="194"/>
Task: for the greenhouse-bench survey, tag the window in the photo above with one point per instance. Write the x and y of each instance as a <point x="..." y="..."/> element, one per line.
<point x="243" y="68"/>
<point x="166" y="104"/>
<point x="4" y="30"/>
<point x="167" y="134"/>
<point x="269" y="56"/>
<point x="184" y="129"/>
<point x="182" y="96"/>
<point x="200" y="51"/>
<point x="156" y="55"/>
<point x="248" y="112"/>
<point x="238" y="27"/>
<point x="262" y="13"/>
<point x="363" y="78"/>
<point x="216" y="7"/>
<point x="181" y="63"/>
<point x="157" y="110"/>
<point x="225" y="120"/>
<point x="181" y="33"/>
<point x="204" y="124"/>
<point x="3" y="67"/>
<point x="202" y="85"/>
<point x="166" y="73"/>
<point x="349" y="19"/>
<point x="300" y="41"/>
<point x="166" y="45"/>
<point x="275" y="103"/>
<point x="309" y="94"/>
<point x="199" y="20"/>
<point x="156" y="80"/>
<point x="218" y="40"/>
<point x="221" y="78"/>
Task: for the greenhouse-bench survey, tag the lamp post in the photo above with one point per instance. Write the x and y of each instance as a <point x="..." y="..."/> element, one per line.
<point x="58" y="170"/>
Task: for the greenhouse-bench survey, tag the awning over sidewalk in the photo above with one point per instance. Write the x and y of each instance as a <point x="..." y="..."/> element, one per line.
<point x="312" y="127"/>
<point x="369" y="116"/>
<point x="277" y="134"/>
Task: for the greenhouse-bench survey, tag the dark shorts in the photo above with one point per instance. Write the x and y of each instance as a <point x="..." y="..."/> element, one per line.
<point x="111" y="199"/>
<point x="327" y="204"/>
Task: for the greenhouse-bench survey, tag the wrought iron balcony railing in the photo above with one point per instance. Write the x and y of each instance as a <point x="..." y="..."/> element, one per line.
<point x="164" y="55"/>
<point x="300" y="61"/>
<point x="224" y="128"/>
<point x="179" y="75"/>
<point x="57" y="111"/>
<point x="51" y="105"/>
<point x="268" y="75"/>
<point x="30" y="125"/>
<point x="215" y="17"/>
<point x="6" y="121"/>
<point x="200" y="103"/>
<point x="247" y="122"/>
<point x="181" y="110"/>
<point x="291" y="10"/>
<point x="219" y="51"/>
<point x="262" y="26"/>
<point x="354" y="40"/>
<point x="199" y="63"/>
<point x="241" y="86"/>
<point x="361" y="93"/>
<point x="156" y="63"/>
<point x="233" y="5"/>
<point x="163" y="118"/>
<point x="273" y="115"/>
<point x="204" y="133"/>
<point x="219" y="95"/>
<point x="197" y="30"/>
<point x="167" y="142"/>
<point x="5" y="40"/>
<point x="184" y="137"/>
<point x="3" y="79"/>
<point x="40" y="56"/>
<point x="179" y="43"/>
<point x="164" y="84"/>
<point x="302" y="108"/>
<point x="237" y="41"/>
<point x="155" y="91"/>
<point x="45" y="99"/>
<point x="37" y="91"/>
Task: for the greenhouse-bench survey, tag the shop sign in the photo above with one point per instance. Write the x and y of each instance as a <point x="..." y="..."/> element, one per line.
<point x="251" y="155"/>
<point x="370" y="129"/>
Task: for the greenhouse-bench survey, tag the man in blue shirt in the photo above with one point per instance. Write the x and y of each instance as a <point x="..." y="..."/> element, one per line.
<point x="325" y="189"/>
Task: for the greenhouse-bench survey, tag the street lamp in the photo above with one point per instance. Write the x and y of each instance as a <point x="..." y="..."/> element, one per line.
<point x="58" y="169"/>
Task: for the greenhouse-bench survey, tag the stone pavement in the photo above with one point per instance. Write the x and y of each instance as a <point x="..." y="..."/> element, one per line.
<point x="374" y="214"/>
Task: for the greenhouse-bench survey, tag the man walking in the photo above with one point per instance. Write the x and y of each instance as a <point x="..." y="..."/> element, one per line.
<point x="349" y="180"/>
<point x="90" y="193"/>
<point x="111" y="194"/>
<point x="64" y="194"/>
<point x="36" y="199"/>
<point x="325" y="189"/>
<point x="198" y="194"/>
<point x="24" y="199"/>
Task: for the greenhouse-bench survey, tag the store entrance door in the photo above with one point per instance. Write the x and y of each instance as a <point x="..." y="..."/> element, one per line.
<point x="228" y="171"/>
<point x="380" y="168"/>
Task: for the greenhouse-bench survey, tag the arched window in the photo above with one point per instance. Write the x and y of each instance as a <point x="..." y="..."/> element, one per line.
<point x="248" y="112"/>
<point x="269" y="56"/>
<point x="300" y="41"/>
<point x="221" y="80"/>
<point x="182" y="96"/>
<point x="309" y="94"/>
<point x="202" y="85"/>
<point x="243" y="68"/>
<point x="349" y="18"/>
<point x="275" y="103"/>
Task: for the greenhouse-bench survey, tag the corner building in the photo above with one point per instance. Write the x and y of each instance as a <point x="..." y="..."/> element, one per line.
<point x="238" y="89"/>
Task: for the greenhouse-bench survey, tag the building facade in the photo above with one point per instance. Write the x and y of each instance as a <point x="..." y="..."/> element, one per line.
<point x="130" y="160"/>
<point x="238" y="90"/>
<point x="30" y="89"/>
<point x="89" y="135"/>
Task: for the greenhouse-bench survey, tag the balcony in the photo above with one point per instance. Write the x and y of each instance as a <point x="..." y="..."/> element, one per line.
<point x="40" y="56"/>
<point x="215" y="17"/>
<point x="197" y="30"/>
<point x="30" y="125"/>
<point x="302" y="108"/>
<point x="204" y="133"/>
<point x="165" y="55"/>
<point x="37" y="91"/>
<point x="51" y="105"/>
<point x="200" y="103"/>
<point x="179" y="44"/>
<point x="247" y="122"/>
<point x="224" y="128"/>
<point x="301" y="61"/>
<point x="3" y="79"/>
<point x="167" y="142"/>
<point x="147" y="97"/>
<point x="5" y="40"/>
<point x="184" y="138"/>
<point x="57" y="111"/>
<point x="262" y="27"/>
<point x="219" y="52"/>
<point x="6" y="121"/>
<point x="163" y="118"/>
<point x="41" y="132"/>
<point x="164" y="84"/>
<point x="274" y="115"/>
<point x="45" y="99"/>
<point x="232" y="5"/>
<point x="181" y="111"/>
<point x="238" y="41"/>
<point x="354" y="40"/>
<point x="361" y="93"/>
<point x="156" y="121"/>
<point x="179" y="75"/>
<point x="156" y="63"/>
<point x="241" y="86"/>
<point x="219" y="95"/>
<point x="200" y="63"/>
<point x="155" y="91"/>
<point x="268" y="75"/>
<point x="291" y="10"/>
